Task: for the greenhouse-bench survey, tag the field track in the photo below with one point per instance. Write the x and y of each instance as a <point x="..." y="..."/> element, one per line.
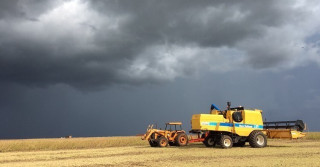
<point x="139" y="153"/>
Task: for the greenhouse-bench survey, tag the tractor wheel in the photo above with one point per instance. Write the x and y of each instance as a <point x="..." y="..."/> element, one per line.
<point x="162" y="141"/>
<point x="181" y="139"/>
<point x="257" y="139"/>
<point x="153" y="143"/>
<point x="209" y="141"/>
<point x="225" y="141"/>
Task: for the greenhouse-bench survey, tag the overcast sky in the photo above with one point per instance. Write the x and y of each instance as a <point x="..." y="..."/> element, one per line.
<point x="103" y="68"/>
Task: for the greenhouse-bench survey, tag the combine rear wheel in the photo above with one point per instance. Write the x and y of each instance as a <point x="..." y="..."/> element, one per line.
<point x="162" y="141"/>
<point x="209" y="141"/>
<point x="257" y="139"/>
<point x="225" y="141"/>
<point x="181" y="139"/>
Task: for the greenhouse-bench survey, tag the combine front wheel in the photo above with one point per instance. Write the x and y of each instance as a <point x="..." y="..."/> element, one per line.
<point x="225" y="141"/>
<point x="257" y="139"/>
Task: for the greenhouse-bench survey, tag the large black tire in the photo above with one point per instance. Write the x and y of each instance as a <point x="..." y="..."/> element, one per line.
<point x="153" y="143"/>
<point x="181" y="139"/>
<point x="225" y="141"/>
<point x="209" y="141"/>
<point x="162" y="141"/>
<point x="257" y="139"/>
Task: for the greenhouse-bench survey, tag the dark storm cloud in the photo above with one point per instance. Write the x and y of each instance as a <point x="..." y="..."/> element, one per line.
<point x="88" y="44"/>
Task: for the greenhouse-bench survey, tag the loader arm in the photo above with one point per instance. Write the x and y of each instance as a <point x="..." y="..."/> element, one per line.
<point x="149" y="132"/>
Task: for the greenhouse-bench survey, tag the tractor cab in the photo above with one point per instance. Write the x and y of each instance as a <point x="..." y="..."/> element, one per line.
<point x="173" y="126"/>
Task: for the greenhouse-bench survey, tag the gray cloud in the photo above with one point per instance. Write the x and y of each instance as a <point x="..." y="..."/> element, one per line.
<point x="89" y="44"/>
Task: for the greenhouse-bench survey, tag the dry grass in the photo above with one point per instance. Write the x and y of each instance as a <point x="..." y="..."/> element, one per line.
<point x="131" y="151"/>
<point x="313" y="136"/>
<point x="72" y="143"/>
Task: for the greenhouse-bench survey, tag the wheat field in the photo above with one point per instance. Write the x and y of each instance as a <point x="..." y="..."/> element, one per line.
<point x="131" y="151"/>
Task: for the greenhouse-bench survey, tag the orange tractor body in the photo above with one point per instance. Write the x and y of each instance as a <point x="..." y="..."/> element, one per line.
<point x="161" y="138"/>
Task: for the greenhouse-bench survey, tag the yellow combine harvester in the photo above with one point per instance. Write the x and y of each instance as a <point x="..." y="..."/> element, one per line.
<point x="231" y="127"/>
<point x="236" y="126"/>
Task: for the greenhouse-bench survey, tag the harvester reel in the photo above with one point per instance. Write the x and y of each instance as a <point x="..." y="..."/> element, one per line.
<point x="300" y="125"/>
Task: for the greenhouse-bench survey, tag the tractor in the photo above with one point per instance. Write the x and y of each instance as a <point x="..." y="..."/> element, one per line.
<point x="172" y="135"/>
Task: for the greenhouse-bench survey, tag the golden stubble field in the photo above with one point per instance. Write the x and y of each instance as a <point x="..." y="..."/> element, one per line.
<point x="131" y="151"/>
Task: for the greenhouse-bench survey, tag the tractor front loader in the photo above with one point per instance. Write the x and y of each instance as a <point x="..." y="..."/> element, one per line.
<point x="161" y="138"/>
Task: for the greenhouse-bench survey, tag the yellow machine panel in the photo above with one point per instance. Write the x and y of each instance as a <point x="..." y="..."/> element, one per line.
<point x="252" y="120"/>
<point x="252" y="117"/>
<point x="209" y="122"/>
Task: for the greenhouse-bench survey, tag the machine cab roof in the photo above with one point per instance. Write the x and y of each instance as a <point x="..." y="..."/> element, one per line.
<point x="173" y="126"/>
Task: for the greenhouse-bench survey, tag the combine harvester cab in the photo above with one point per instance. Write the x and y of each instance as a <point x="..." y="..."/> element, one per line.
<point x="236" y="126"/>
